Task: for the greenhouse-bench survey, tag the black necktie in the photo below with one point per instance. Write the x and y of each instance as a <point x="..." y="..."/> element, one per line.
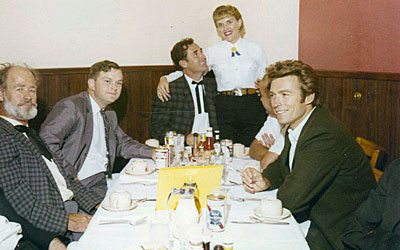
<point x="106" y="130"/>
<point x="35" y="140"/>
<point x="198" y="94"/>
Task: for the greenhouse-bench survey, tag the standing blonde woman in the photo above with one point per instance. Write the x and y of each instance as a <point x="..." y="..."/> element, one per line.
<point x="237" y="64"/>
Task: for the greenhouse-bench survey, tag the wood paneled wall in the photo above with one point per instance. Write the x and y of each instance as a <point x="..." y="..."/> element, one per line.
<point x="133" y="107"/>
<point x="367" y="103"/>
<point x="375" y="115"/>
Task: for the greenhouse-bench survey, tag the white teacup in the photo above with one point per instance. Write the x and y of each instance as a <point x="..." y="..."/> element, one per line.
<point x="138" y="167"/>
<point x="152" y="143"/>
<point x="270" y="207"/>
<point x="120" y="199"/>
<point x="238" y="150"/>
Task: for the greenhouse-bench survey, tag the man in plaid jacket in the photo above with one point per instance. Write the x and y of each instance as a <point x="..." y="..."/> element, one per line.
<point x="33" y="181"/>
<point x="191" y="108"/>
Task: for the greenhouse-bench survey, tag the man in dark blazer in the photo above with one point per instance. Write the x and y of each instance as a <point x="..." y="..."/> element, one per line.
<point x="86" y="135"/>
<point x="376" y="223"/>
<point x="322" y="174"/>
<point x="191" y="108"/>
<point x="33" y="181"/>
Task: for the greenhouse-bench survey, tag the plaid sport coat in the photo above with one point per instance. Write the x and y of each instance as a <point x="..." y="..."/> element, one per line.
<point x="178" y="112"/>
<point x="29" y="186"/>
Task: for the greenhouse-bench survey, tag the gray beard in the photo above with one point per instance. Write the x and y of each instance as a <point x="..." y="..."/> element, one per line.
<point x="18" y="112"/>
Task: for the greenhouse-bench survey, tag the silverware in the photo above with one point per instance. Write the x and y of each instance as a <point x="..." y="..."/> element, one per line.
<point x="144" y="183"/>
<point x="272" y="221"/>
<point x="130" y="222"/>
<point x="144" y="200"/>
<point x="243" y="199"/>
<point x="260" y="222"/>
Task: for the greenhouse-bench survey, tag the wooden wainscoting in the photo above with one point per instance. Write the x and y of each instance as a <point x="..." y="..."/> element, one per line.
<point x="133" y="107"/>
<point x="367" y="103"/>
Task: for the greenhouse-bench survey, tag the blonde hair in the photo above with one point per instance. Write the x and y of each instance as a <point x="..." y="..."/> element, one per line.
<point x="224" y="11"/>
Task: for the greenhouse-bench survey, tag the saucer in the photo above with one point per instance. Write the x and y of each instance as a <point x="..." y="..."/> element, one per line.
<point x="285" y="214"/>
<point x="140" y="173"/>
<point x="107" y="207"/>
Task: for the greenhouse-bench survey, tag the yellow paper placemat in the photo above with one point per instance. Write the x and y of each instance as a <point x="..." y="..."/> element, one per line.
<point x="207" y="178"/>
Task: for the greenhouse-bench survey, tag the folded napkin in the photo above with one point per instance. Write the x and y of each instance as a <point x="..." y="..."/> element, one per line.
<point x="10" y="236"/>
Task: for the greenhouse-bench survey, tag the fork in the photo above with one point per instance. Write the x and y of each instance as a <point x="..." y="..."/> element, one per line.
<point x="144" y="183"/>
<point x="271" y="221"/>
<point x="243" y="199"/>
<point x="130" y="222"/>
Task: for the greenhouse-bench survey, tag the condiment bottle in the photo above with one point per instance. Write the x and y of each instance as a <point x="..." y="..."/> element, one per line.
<point x="209" y="143"/>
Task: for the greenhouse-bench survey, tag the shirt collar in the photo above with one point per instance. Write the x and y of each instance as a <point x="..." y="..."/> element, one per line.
<point x="237" y="44"/>
<point x="190" y="80"/>
<point x="95" y="107"/>
<point x="295" y="133"/>
<point x="12" y="121"/>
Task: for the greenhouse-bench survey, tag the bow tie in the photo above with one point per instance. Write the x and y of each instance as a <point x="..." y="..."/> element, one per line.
<point x="35" y="140"/>
<point x="198" y="83"/>
<point x="234" y="52"/>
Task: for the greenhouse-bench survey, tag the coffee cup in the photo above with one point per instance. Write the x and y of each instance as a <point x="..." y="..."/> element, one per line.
<point x="238" y="150"/>
<point x="152" y="143"/>
<point x="270" y="207"/>
<point x="138" y="166"/>
<point x="120" y="199"/>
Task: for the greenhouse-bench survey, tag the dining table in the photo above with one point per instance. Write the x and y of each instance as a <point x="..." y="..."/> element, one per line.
<point x="150" y="226"/>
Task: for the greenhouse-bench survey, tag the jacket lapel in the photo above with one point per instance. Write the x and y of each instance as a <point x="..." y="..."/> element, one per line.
<point x="26" y="143"/>
<point x="304" y="131"/>
<point x="87" y="138"/>
<point x="285" y="156"/>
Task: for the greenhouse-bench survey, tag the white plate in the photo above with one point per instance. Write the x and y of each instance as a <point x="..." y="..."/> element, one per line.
<point x="149" y="172"/>
<point x="107" y="207"/>
<point x="285" y="214"/>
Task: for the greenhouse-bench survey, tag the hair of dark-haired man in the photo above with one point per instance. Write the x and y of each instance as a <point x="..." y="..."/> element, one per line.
<point x="179" y="51"/>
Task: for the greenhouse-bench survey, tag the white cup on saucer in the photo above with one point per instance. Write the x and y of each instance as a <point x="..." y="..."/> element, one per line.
<point x="238" y="150"/>
<point x="120" y="199"/>
<point x="270" y="207"/>
<point x="139" y="166"/>
<point x="152" y="143"/>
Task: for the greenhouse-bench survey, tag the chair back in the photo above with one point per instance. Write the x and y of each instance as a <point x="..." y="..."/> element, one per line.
<point x="374" y="153"/>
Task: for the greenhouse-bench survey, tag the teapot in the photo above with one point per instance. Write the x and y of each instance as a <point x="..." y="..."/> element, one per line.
<point x="187" y="210"/>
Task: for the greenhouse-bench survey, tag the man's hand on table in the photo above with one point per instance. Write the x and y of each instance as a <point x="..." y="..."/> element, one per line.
<point x="78" y="222"/>
<point x="253" y="180"/>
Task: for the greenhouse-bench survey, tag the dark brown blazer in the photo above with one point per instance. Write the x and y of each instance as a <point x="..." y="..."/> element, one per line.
<point x="330" y="177"/>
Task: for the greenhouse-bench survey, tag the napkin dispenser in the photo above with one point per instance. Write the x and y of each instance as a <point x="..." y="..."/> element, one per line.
<point x="207" y="178"/>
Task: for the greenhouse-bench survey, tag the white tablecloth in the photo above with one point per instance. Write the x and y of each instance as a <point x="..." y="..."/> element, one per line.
<point x="245" y="236"/>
